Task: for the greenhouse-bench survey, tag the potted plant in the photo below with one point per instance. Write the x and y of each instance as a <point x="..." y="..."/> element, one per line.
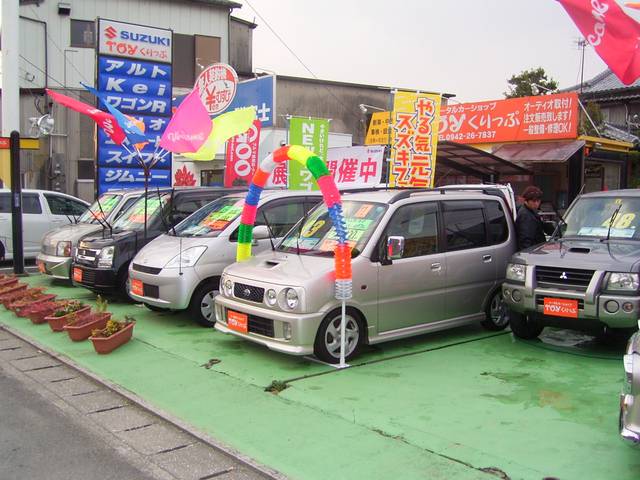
<point x="80" y="328"/>
<point x="71" y="310"/>
<point x="8" y="290"/>
<point x="23" y="306"/>
<point x="38" y="313"/>
<point x="6" y="280"/>
<point x="113" y="335"/>
<point x="18" y="293"/>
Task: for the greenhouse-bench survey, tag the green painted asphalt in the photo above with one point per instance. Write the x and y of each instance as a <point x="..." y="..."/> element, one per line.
<point x="440" y="406"/>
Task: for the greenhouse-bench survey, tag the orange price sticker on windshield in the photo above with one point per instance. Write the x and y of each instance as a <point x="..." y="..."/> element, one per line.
<point x="363" y="211"/>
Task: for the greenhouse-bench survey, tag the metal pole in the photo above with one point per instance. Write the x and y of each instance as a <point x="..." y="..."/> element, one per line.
<point x="343" y="333"/>
<point x="16" y="205"/>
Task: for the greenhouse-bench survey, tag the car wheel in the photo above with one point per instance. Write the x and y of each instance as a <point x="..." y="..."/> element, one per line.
<point x="202" y="306"/>
<point x="153" y="308"/>
<point x="523" y="326"/>
<point x="496" y="312"/>
<point x="327" y="343"/>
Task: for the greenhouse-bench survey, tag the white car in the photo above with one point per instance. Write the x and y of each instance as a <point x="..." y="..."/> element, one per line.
<point x="42" y="210"/>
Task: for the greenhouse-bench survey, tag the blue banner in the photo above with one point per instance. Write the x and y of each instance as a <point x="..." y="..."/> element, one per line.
<point x="128" y="178"/>
<point x="124" y="67"/>
<point x="116" y="85"/>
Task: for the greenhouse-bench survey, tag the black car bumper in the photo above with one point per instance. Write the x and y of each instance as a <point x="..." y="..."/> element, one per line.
<point x="98" y="279"/>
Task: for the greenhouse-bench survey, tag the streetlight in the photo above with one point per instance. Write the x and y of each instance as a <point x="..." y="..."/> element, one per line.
<point x="535" y="89"/>
<point x="364" y="107"/>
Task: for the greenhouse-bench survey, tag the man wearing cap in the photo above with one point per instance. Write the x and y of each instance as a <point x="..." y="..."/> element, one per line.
<point x="529" y="225"/>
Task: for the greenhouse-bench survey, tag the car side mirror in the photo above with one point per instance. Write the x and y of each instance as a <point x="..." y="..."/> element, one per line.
<point x="395" y="247"/>
<point x="549" y="226"/>
<point x="260" y="232"/>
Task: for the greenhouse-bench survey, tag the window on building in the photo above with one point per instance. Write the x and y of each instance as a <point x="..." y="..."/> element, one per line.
<point x="183" y="60"/>
<point x="207" y="51"/>
<point x="86" y="169"/>
<point x="83" y="34"/>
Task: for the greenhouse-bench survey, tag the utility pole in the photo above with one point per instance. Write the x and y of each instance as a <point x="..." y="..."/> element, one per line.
<point x="9" y="24"/>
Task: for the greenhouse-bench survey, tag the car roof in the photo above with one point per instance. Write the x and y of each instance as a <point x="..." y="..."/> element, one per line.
<point x="624" y="192"/>
<point x="391" y="196"/>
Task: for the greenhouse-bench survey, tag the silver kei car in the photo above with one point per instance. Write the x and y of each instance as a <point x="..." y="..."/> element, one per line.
<point x="422" y="261"/>
<point x="630" y="395"/>
<point x="181" y="270"/>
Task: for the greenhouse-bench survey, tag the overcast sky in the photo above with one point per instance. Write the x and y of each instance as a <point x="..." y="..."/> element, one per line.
<point x="465" y="47"/>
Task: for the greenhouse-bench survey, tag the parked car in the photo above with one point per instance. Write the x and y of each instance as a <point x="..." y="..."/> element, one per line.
<point x="423" y="261"/>
<point x="630" y="395"/>
<point x="101" y="261"/>
<point x="58" y="245"/>
<point x="182" y="269"/>
<point x="503" y="190"/>
<point x="42" y="210"/>
<point x="586" y="277"/>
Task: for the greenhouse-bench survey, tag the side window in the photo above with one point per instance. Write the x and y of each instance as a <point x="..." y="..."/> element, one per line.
<point x="59" y="205"/>
<point x="281" y="216"/>
<point x="77" y="208"/>
<point x="5" y="203"/>
<point x="418" y="225"/>
<point x="126" y="206"/>
<point x="464" y="225"/>
<point x="185" y="207"/>
<point x="31" y="203"/>
<point x="497" y="222"/>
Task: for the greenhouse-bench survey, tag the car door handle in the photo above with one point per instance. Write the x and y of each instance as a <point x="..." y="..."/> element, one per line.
<point x="486" y="258"/>
<point x="436" y="267"/>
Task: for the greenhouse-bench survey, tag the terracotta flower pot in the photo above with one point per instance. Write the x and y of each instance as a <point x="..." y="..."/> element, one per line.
<point x="107" y="344"/>
<point x="39" y="315"/>
<point x="10" y="295"/>
<point x="24" y="310"/>
<point x="6" y="281"/>
<point x="57" y="323"/>
<point x="82" y="328"/>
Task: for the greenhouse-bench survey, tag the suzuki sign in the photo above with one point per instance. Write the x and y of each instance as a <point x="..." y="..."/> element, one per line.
<point x="121" y="39"/>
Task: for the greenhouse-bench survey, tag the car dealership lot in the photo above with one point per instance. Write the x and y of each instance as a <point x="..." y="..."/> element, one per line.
<point x="465" y="403"/>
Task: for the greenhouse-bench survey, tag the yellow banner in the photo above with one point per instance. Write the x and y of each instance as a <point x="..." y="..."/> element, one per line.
<point x="378" y="133"/>
<point x="414" y="129"/>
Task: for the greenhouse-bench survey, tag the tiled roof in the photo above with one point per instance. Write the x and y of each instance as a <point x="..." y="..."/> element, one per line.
<point x="603" y="82"/>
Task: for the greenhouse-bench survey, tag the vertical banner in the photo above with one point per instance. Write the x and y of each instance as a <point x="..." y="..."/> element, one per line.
<point x="414" y="129"/>
<point x="312" y="133"/>
<point x="135" y="74"/>
<point x="242" y="157"/>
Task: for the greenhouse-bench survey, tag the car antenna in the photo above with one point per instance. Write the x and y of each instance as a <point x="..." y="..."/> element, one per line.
<point x="302" y="220"/>
<point x="613" y="218"/>
<point x="104" y="217"/>
<point x="266" y="222"/>
<point x="164" y="223"/>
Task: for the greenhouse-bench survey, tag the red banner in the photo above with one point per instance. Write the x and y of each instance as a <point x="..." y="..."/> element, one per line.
<point x="612" y="33"/>
<point x="242" y="157"/>
<point x="544" y="117"/>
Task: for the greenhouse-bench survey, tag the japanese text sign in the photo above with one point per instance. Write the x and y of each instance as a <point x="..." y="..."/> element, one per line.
<point x="134" y="41"/>
<point x="217" y="85"/>
<point x="312" y="133"/>
<point x="242" y="157"/>
<point x="414" y="128"/>
<point x="378" y="132"/>
<point x="545" y="117"/>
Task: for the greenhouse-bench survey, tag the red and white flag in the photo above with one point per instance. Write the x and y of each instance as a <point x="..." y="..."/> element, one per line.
<point x="613" y="34"/>
<point x="242" y="156"/>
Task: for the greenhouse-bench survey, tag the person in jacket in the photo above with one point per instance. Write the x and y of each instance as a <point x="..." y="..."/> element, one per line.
<point x="529" y="227"/>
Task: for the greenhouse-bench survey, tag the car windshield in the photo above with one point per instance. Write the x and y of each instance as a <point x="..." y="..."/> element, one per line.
<point x="101" y="208"/>
<point x="133" y="218"/>
<point x="317" y="236"/>
<point x="211" y="219"/>
<point x="599" y="217"/>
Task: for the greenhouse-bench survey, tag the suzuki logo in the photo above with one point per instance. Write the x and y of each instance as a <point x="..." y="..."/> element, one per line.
<point x="246" y="292"/>
<point x="563" y="276"/>
<point x="110" y="32"/>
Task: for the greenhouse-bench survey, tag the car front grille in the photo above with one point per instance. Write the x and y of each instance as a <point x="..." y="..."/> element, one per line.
<point x="563" y="278"/>
<point x="151" y="291"/>
<point x="261" y="326"/>
<point x="88" y="276"/>
<point x="145" y="269"/>
<point x="86" y="256"/>
<point x="248" y="292"/>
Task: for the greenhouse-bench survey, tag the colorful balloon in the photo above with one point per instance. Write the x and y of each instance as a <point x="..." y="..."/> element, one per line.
<point x="332" y="199"/>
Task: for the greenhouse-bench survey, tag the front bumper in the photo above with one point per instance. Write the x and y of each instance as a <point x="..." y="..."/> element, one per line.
<point x="591" y="305"/>
<point x="167" y="289"/>
<point x="629" y="430"/>
<point x="99" y="279"/>
<point x="57" y="267"/>
<point x="303" y="326"/>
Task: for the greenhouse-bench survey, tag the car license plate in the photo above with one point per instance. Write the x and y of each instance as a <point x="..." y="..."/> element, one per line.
<point x="237" y="321"/>
<point x="41" y="268"/>
<point x="137" y="287"/>
<point x="77" y="274"/>
<point x="561" y="307"/>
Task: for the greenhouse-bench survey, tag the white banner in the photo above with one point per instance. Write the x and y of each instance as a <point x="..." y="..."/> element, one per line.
<point x="355" y="167"/>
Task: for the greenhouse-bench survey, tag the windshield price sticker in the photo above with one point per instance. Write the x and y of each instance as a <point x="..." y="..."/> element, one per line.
<point x="363" y="211"/>
<point x="137" y="216"/>
<point x="219" y="219"/>
<point x="604" y="231"/>
<point x="329" y="245"/>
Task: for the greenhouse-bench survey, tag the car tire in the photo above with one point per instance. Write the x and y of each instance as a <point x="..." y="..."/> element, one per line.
<point x="497" y="314"/>
<point x="153" y="308"/>
<point x="327" y="343"/>
<point x="524" y="326"/>
<point x="201" y="307"/>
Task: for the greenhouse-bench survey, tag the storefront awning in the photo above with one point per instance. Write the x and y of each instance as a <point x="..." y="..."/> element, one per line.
<point x="543" y="152"/>
<point x="475" y="162"/>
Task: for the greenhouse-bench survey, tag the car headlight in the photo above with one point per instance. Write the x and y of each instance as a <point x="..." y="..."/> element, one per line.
<point x="291" y="298"/>
<point x="271" y="297"/>
<point x="228" y="287"/>
<point x="187" y="258"/>
<point x="516" y="271"/>
<point x="105" y="259"/>
<point x="63" y="249"/>
<point x="626" y="282"/>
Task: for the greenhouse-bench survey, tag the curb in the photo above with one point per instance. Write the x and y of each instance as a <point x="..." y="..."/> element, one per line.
<point x="132" y="397"/>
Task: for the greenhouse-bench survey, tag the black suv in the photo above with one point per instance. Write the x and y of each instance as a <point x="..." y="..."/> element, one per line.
<point x="101" y="261"/>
